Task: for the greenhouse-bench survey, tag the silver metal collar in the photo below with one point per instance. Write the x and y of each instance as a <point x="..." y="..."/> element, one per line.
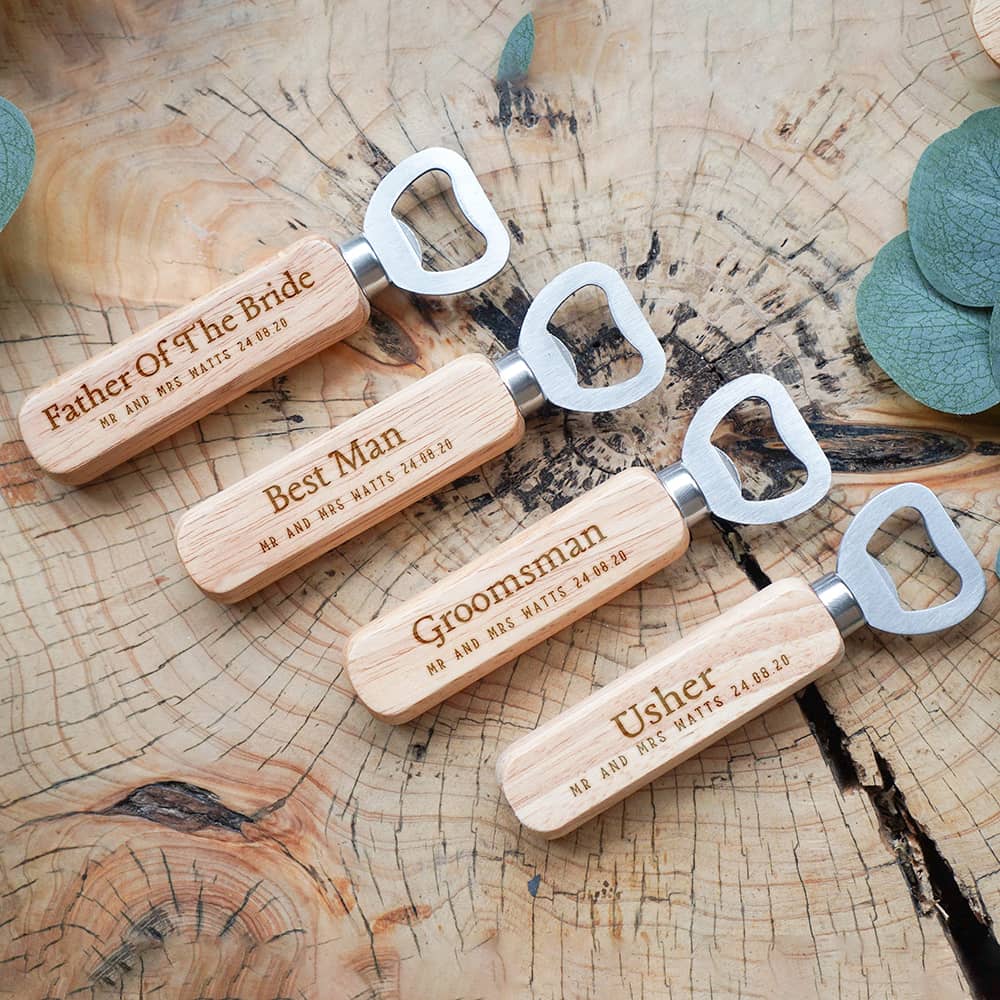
<point x="840" y="602"/>
<point x="364" y="265"/>
<point x="686" y="493"/>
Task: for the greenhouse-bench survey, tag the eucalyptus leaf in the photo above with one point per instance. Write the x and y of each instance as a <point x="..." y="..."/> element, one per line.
<point x="516" y="55"/>
<point x="17" y="158"/>
<point x="954" y="211"/>
<point x="934" y="349"/>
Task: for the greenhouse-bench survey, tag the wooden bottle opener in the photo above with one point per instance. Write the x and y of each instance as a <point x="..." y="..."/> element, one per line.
<point x="405" y="447"/>
<point x="725" y="673"/>
<point x="270" y="318"/>
<point x="571" y="562"/>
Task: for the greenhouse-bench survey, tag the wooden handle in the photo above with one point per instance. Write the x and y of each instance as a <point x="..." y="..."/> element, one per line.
<point x="349" y="478"/>
<point x="669" y="708"/>
<point x="516" y="595"/>
<point x="193" y="361"/>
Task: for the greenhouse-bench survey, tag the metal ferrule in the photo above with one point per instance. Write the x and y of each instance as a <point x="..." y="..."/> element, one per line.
<point x="520" y="382"/>
<point x="364" y="265"/>
<point x="684" y="492"/>
<point x="840" y="602"/>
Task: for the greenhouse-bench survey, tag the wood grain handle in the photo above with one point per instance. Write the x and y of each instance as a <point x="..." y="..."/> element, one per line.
<point x="348" y="479"/>
<point x="669" y="708"/>
<point x="193" y="361"/>
<point x="516" y="595"/>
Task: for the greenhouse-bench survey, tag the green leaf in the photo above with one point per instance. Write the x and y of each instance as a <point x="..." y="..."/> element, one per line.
<point x="954" y="211"/>
<point x="17" y="159"/>
<point x="516" y="55"/>
<point x="934" y="350"/>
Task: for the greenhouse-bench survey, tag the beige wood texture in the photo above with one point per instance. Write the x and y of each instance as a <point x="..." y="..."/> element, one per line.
<point x="168" y="757"/>
<point x="515" y="595"/>
<point x="665" y="710"/>
<point x="196" y="360"/>
<point x="348" y="479"/>
<point x="985" y="16"/>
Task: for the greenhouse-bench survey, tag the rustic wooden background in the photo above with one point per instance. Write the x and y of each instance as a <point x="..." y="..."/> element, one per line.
<point x="192" y="803"/>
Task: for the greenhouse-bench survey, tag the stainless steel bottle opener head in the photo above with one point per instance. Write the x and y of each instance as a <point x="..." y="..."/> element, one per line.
<point x="706" y="480"/>
<point x="542" y="368"/>
<point x="388" y="252"/>
<point x="871" y="596"/>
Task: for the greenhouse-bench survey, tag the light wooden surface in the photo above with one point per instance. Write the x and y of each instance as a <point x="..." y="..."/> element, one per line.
<point x="658" y="714"/>
<point x="202" y="356"/>
<point x="515" y="595"/>
<point x="740" y="164"/>
<point x="348" y="479"/>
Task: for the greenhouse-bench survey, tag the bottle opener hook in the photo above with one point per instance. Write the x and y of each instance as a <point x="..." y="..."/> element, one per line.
<point x="706" y="480"/>
<point x="388" y="253"/>
<point x="871" y="596"/>
<point x="551" y="369"/>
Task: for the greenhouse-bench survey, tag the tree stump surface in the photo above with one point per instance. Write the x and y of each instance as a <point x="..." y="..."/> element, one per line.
<point x="192" y="802"/>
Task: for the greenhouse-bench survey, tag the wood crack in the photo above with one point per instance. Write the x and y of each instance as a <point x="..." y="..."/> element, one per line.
<point x="930" y="879"/>
<point x="180" y="806"/>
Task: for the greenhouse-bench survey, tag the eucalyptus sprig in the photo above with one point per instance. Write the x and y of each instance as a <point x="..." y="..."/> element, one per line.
<point x="17" y="158"/>
<point x="516" y="56"/>
<point x="926" y="309"/>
